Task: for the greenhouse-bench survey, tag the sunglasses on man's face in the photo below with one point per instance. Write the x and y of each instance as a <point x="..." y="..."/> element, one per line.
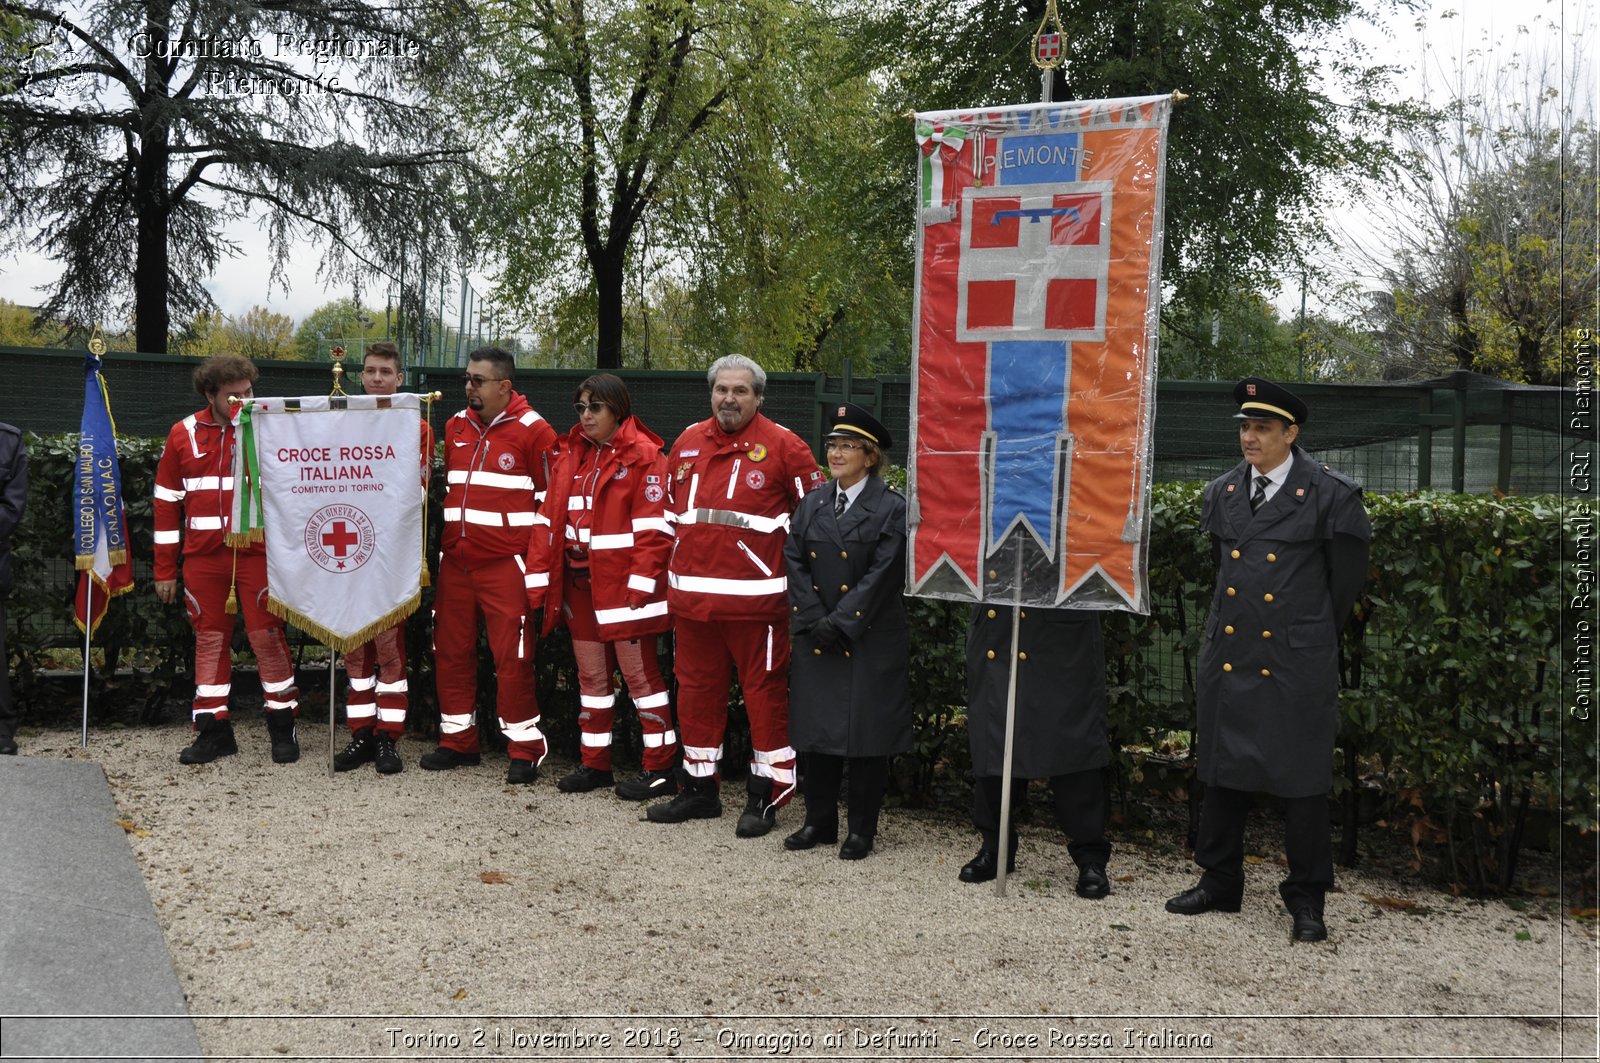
<point x="591" y="407"/>
<point x="472" y="380"/>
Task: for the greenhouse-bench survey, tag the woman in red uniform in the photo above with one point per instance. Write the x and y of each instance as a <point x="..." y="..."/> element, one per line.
<point x="597" y="560"/>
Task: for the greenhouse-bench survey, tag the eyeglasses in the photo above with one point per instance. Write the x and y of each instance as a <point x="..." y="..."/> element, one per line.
<point x="472" y="380"/>
<point x="593" y="407"/>
<point x="840" y="446"/>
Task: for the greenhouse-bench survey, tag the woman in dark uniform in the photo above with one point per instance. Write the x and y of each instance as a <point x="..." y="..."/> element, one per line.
<point x="848" y="696"/>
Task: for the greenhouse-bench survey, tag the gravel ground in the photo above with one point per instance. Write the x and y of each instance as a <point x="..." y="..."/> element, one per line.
<point x="450" y="916"/>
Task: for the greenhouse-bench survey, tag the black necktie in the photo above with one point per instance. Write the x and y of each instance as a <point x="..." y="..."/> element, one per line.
<point x="838" y="505"/>
<point x="1260" y="495"/>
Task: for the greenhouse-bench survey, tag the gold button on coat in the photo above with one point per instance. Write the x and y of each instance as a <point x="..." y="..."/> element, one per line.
<point x="1266" y="671"/>
<point x="844" y="586"/>
<point x="1228" y="629"/>
<point x="1266" y="634"/>
<point x="858" y="612"/>
<point x="813" y="553"/>
<point x="1272" y="557"/>
<point x="844" y="553"/>
<point x="1231" y="592"/>
<point x="817" y="652"/>
<point x="1022" y="656"/>
<point x="1266" y="597"/>
<point x="990" y="655"/>
<point x="1235" y="554"/>
<point x="1227" y="668"/>
<point x="991" y="614"/>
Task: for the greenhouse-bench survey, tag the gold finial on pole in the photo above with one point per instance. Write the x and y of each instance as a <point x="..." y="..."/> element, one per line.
<point x="337" y="354"/>
<point x="1178" y="96"/>
<point x="1049" y="43"/>
<point x="97" y="343"/>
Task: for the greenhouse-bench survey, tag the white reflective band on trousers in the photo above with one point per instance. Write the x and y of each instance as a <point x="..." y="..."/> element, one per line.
<point x="701" y="761"/>
<point x="597" y="701"/>
<point x="652" y="701"/>
<point x="735" y="519"/>
<point x="595" y="741"/>
<point x="654" y="741"/>
<point x="526" y="731"/>
<point x="363" y="682"/>
<point x="392" y="715"/>
<point x="452" y="724"/>
<point x="208" y="690"/>
<point x="744" y="588"/>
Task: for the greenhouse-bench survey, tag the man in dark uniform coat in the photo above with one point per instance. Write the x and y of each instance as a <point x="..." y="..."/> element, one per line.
<point x="1290" y="539"/>
<point x="1060" y="732"/>
<point x="848" y="694"/>
<point x="13" y="500"/>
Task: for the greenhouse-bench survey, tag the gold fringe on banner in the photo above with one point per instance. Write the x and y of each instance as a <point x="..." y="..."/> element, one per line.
<point x="86" y="564"/>
<point x="344" y="643"/>
<point x="245" y="538"/>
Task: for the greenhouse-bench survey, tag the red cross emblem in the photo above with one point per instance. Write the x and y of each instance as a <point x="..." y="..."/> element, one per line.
<point x="339" y="538"/>
<point x="1049" y="46"/>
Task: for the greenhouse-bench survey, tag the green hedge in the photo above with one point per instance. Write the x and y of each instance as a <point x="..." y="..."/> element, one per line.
<point x="1451" y="666"/>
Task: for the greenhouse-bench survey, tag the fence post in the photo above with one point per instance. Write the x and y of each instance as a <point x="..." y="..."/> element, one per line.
<point x="1425" y="440"/>
<point x="1503" y="478"/>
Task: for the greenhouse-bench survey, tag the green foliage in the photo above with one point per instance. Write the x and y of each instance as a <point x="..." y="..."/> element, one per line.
<point x="257" y="334"/>
<point x="338" y="323"/>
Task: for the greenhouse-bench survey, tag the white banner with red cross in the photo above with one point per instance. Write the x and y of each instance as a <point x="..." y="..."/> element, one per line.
<point x="332" y="484"/>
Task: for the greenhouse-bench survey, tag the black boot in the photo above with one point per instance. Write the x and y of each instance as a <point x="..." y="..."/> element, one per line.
<point x="361" y="749"/>
<point x="213" y="739"/>
<point x="384" y="758"/>
<point x="697" y="800"/>
<point x="759" y="813"/>
<point x="280" y="729"/>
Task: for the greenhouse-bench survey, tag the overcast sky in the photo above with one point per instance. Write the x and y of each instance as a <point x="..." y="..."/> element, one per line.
<point x="1428" y="45"/>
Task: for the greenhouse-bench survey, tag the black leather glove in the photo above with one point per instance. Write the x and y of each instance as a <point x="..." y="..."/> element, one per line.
<point x="826" y="634"/>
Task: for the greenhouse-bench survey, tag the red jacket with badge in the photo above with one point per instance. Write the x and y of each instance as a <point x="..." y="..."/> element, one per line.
<point x="194" y="492"/>
<point x="494" y="476"/>
<point x="731" y="496"/>
<point x="606" y="504"/>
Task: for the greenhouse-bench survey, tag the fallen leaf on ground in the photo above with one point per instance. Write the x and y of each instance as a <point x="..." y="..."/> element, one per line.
<point x="129" y="826"/>
<point x="493" y="878"/>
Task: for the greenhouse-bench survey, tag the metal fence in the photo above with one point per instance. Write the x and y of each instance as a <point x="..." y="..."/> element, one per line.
<point x="1463" y="432"/>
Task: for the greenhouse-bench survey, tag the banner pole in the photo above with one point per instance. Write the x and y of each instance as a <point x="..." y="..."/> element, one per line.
<point x="1003" y="843"/>
<point x="333" y="692"/>
<point x="88" y="633"/>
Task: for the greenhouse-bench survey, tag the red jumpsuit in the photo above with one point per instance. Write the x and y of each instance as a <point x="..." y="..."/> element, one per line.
<point x="193" y="505"/>
<point x="731" y="496"/>
<point x="599" y="562"/>
<point x="377" y="667"/>
<point x="495" y="474"/>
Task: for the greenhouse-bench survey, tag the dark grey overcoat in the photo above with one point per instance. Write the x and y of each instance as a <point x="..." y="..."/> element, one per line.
<point x="1267" y="693"/>
<point x="1061" y="692"/>
<point x="852" y="701"/>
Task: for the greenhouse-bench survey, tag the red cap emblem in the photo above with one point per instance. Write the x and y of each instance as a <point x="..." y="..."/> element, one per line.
<point x="1250" y="389"/>
<point x="841" y="412"/>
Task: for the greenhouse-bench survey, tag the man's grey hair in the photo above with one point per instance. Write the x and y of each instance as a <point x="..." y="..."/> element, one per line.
<point x="758" y="375"/>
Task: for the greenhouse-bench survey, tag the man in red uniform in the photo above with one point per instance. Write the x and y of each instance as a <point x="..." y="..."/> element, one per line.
<point x="193" y="506"/>
<point x="376" y="707"/>
<point x="734" y="479"/>
<point x="497" y="457"/>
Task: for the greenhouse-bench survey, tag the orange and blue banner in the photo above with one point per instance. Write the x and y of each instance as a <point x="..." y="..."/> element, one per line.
<point x="1038" y="265"/>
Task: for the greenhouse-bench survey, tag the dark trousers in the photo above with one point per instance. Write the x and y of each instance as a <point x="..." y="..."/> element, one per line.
<point x="1080" y="807"/>
<point x="1219" y="846"/>
<point x="8" y="708"/>
<point x="822" y="775"/>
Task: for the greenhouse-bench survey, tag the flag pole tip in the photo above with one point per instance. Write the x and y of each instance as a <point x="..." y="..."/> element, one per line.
<point x="1179" y="96"/>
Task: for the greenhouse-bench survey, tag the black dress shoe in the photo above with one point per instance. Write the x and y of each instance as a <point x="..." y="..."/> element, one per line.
<point x="444" y="759"/>
<point x="1308" y="926"/>
<point x="1092" y="882"/>
<point x="809" y="837"/>
<point x="981" y="868"/>
<point x="855" y="847"/>
<point x="1200" y="899"/>
<point x="8" y="746"/>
